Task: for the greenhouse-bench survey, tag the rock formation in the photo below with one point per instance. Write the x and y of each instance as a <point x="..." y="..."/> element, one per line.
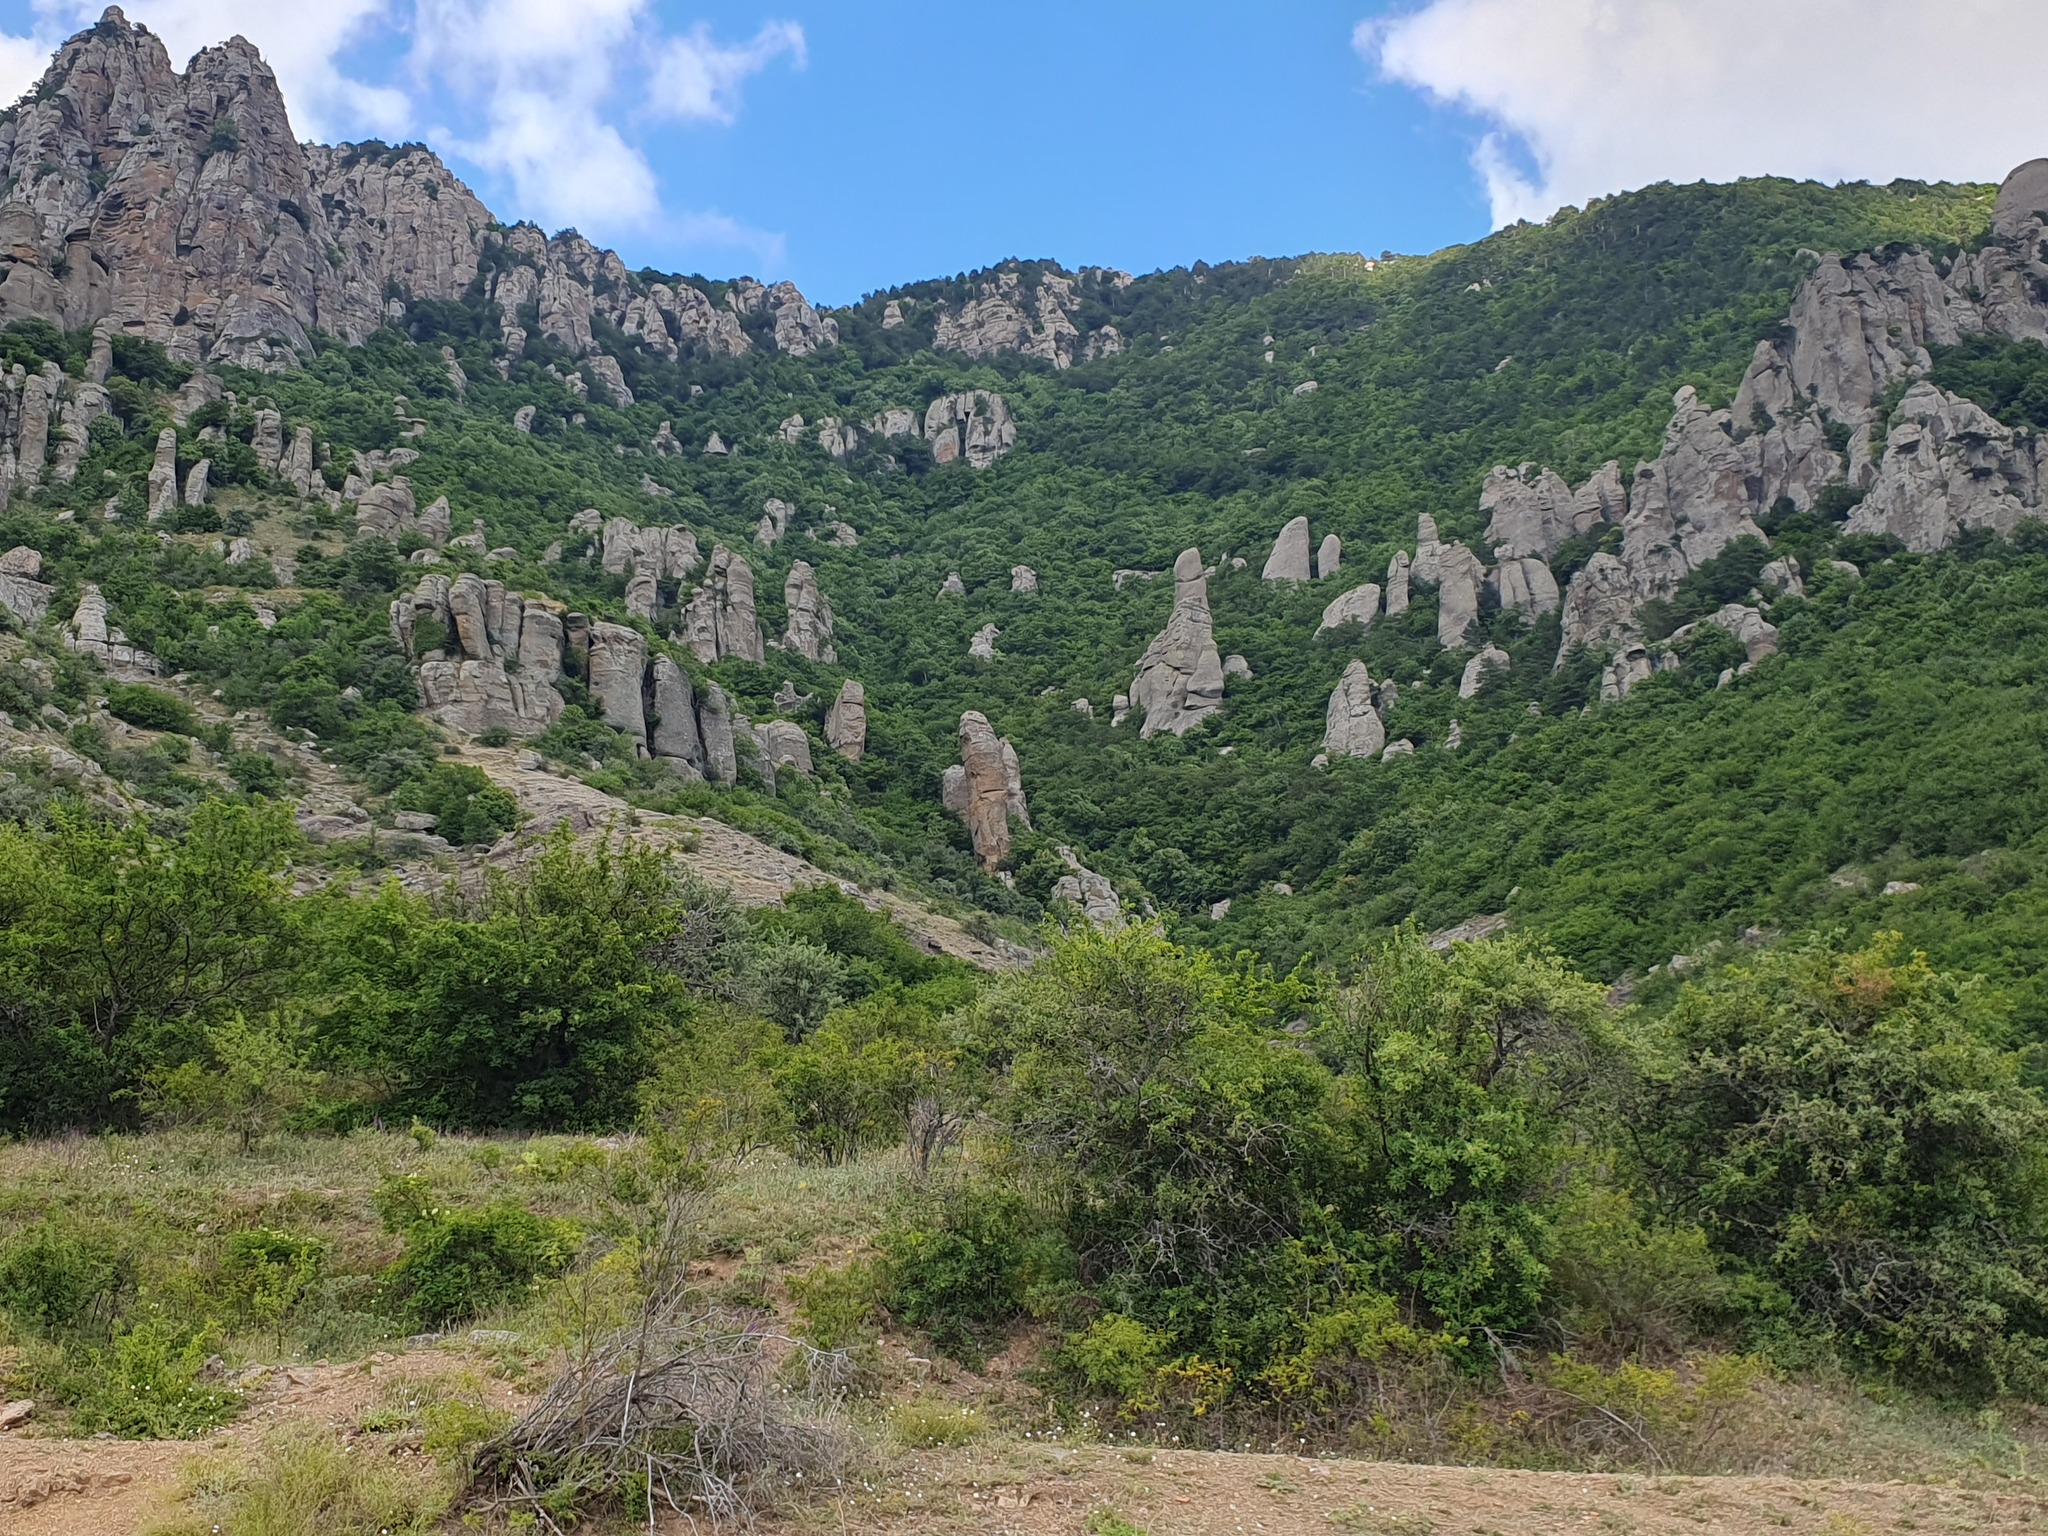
<point x="21" y="594"/>
<point x="952" y="586"/>
<point x="163" y="476"/>
<point x="810" y="616"/>
<point x="1289" y="560"/>
<point x="1398" y="574"/>
<point x="672" y="714"/>
<point x="846" y="722"/>
<point x="1023" y="579"/>
<point x="986" y="790"/>
<point x="783" y="744"/>
<point x="183" y="209"/>
<point x="983" y="646"/>
<point x="1329" y="557"/>
<point x="1361" y="605"/>
<point x="1352" y="724"/>
<point x="462" y="633"/>
<point x="1491" y="659"/>
<point x="975" y="426"/>
<point x="775" y="516"/>
<point x="1524" y="585"/>
<point x="1180" y="677"/>
<point x="1091" y="892"/>
<point x="720" y="621"/>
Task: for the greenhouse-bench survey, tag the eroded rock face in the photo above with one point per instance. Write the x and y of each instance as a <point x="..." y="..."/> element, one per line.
<point x="1599" y="606"/>
<point x="21" y="594"/>
<point x="1361" y="605"/>
<point x="1329" y="557"/>
<point x="721" y="620"/>
<point x="975" y="426"/>
<point x="986" y="791"/>
<point x="462" y="633"/>
<point x="1947" y="467"/>
<point x="183" y="208"/>
<point x="1398" y="575"/>
<point x="1459" y="578"/>
<point x="1180" y="676"/>
<point x="810" y="616"/>
<point x="1289" y="560"/>
<point x="1525" y="585"/>
<point x="1005" y="317"/>
<point x="1091" y="892"/>
<point x="672" y="709"/>
<point x="846" y="722"/>
<point x="1352" y="725"/>
<point x="1023" y="579"/>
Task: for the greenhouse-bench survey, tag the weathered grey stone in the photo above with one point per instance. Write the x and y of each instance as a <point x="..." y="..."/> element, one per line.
<point x="1091" y="892"/>
<point x="1397" y="583"/>
<point x="1180" y="677"/>
<point x="810" y="616"/>
<point x="163" y="476"/>
<point x="988" y="793"/>
<point x="715" y="724"/>
<point x="618" y="660"/>
<point x="1329" y="557"/>
<point x="1361" y="605"/>
<point x="1524" y="585"/>
<point x="1235" y="665"/>
<point x="672" y="702"/>
<point x="1023" y="579"/>
<point x="846" y="722"/>
<point x="1781" y="578"/>
<point x="975" y="426"/>
<point x="1289" y="560"/>
<point x="784" y="744"/>
<point x="1352" y="725"/>
<point x="952" y="586"/>
<point x="983" y="646"/>
<point x="721" y="620"/>
<point x="1459" y="577"/>
<point x="196" y="486"/>
<point x="1490" y="660"/>
<point x="1599" y="606"/>
<point x="1947" y="467"/>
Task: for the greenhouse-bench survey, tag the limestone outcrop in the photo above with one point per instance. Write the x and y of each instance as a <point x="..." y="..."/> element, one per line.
<point x="810" y="616"/>
<point x="1289" y="559"/>
<point x="1092" y="893"/>
<point x="21" y="594"/>
<point x="720" y="621"/>
<point x="1352" y="726"/>
<point x="182" y="208"/>
<point x="986" y="790"/>
<point x="974" y="425"/>
<point x="462" y="633"/>
<point x="1525" y="585"/>
<point x="846" y="722"/>
<point x="1491" y="659"/>
<point x="1329" y="557"/>
<point x="654" y="561"/>
<point x="90" y="634"/>
<point x="1361" y="605"/>
<point x="1180" y="677"/>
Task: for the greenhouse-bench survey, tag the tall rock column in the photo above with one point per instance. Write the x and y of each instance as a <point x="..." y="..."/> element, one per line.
<point x="846" y="722"/>
<point x="986" y="790"/>
<point x="618" y="659"/>
<point x="810" y="616"/>
<point x="1180" y="676"/>
<point x="1289" y="560"/>
<point x="33" y="451"/>
<point x="163" y="476"/>
<point x="1352" y="726"/>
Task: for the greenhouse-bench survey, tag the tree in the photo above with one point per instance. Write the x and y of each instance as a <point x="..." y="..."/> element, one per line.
<point x="1851" y="1137"/>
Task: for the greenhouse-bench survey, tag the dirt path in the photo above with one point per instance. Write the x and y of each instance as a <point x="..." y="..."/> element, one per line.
<point x="1035" y="1491"/>
<point x="54" y="1487"/>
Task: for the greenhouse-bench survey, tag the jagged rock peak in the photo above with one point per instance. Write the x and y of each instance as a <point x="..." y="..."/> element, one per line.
<point x="846" y="722"/>
<point x="1352" y="726"/>
<point x="810" y="616"/>
<point x="182" y="208"/>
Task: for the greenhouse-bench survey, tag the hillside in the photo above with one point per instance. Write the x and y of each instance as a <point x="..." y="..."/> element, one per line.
<point x="1437" y="857"/>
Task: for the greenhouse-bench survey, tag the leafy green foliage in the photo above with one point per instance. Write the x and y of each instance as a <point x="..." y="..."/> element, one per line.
<point x="1847" y="1130"/>
<point x="466" y="806"/>
<point x="458" y="1264"/>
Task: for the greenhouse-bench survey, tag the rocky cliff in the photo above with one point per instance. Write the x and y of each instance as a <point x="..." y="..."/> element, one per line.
<point x="181" y="207"/>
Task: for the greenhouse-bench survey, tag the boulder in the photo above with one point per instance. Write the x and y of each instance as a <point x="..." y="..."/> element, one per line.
<point x="1179" y="682"/>
<point x="196" y="487"/>
<point x="1235" y="665"/>
<point x="1329" y="557"/>
<point x="267" y="440"/>
<point x="1289" y="560"/>
<point x="983" y="646"/>
<point x="1092" y="893"/>
<point x="1947" y="467"/>
<point x="1524" y="585"/>
<point x="297" y="468"/>
<point x="1781" y="578"/>
<point x="1352" y="724"/>
<point x="775" y="516"/>
<point x="1361" y="605"/>
<point x="846" y="722"/>
<point x="1023" y="579"/>
<point x="1492" y="659"/>
<point x="783" y="744"/>
<point x="952" y="586"/>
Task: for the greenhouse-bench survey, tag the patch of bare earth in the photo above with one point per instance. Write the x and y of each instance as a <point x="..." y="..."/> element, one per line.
<point x="59" y="1487"/>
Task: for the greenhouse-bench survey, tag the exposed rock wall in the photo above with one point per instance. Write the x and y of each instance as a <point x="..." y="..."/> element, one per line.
<point x="986" y="790"/>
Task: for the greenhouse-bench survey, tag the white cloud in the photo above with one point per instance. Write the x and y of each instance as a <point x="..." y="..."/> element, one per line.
<point x="1601" y="95"/>
<point x="697" y="79"/>
<point x="22" y="61"/>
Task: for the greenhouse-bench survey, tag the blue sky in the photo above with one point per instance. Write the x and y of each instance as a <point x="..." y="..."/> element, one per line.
<point x="855" y="146"/>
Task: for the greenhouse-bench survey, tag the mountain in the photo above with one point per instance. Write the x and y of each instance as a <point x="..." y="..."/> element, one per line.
<point x="1658" y="575"/>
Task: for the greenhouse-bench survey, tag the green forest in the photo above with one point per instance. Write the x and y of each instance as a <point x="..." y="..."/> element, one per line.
<point x="1752" y="1088"/>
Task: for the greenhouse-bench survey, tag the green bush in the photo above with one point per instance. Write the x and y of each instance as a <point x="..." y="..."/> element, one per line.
<point x="61" y="1281"/>
<point x="149" y="709"/>
<point x="458" y="1264"/>
<point x="146" y="1386"/>
<point x="968" y="1265"/>
<point x="466" y="805"/>
<point x="269" y="1273"/>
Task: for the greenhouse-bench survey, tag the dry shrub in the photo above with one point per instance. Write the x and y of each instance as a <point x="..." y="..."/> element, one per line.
<point x="695" y="1407"/>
